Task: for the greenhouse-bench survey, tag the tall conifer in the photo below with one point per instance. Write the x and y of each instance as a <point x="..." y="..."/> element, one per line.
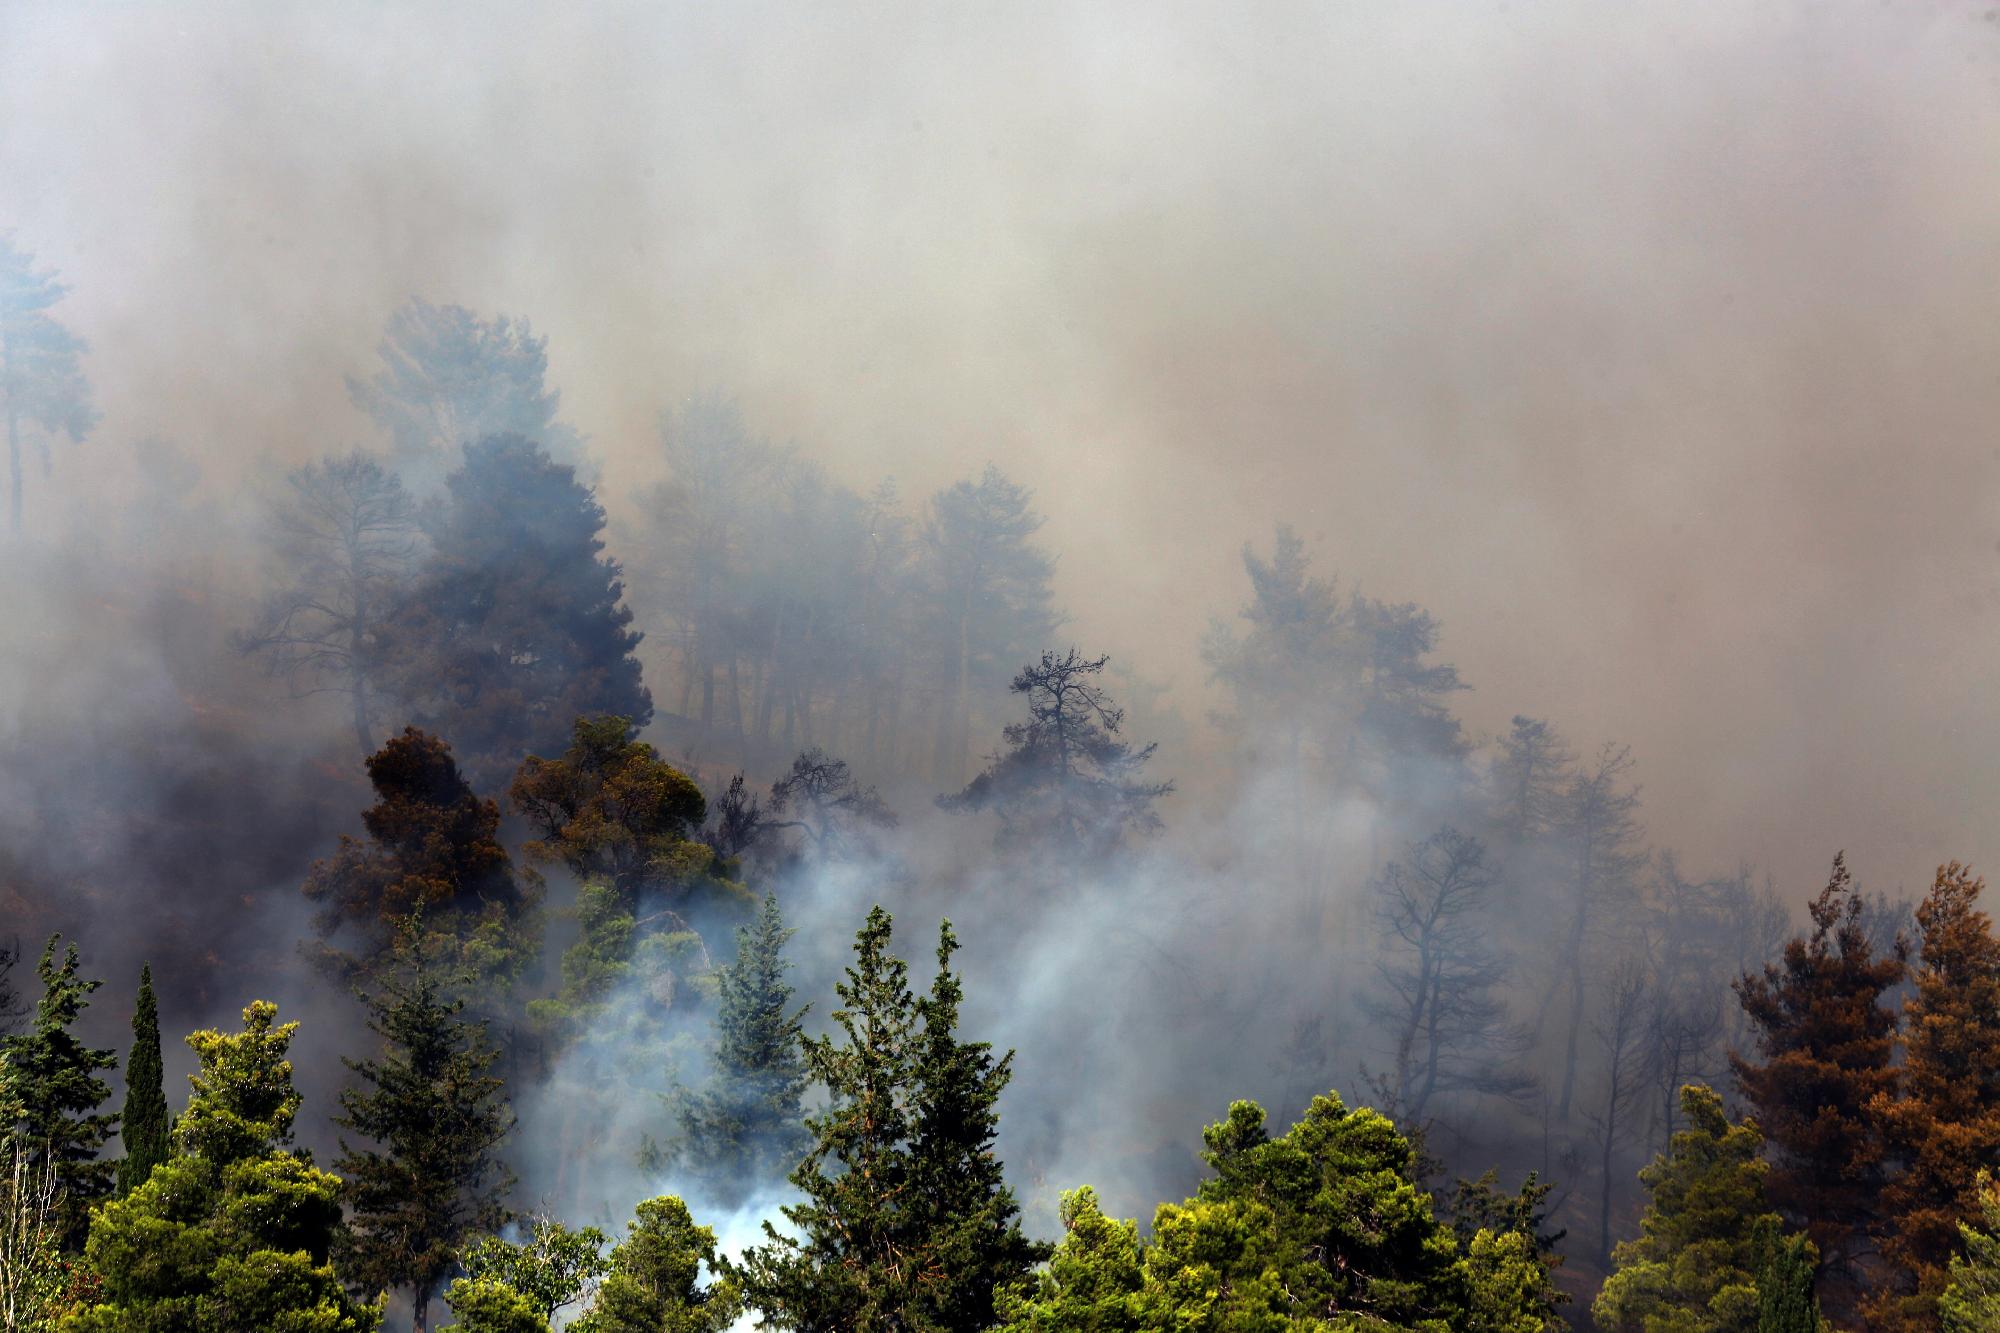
<point x="1945" y="1127"/>
<point x="435" y="1114"/>
<point x="745" y="1127"/>
<point x="906" y="1222"/>
<point x="1825" y="1038"/>
<point x="56" y="1078"/>
<point x="145" y="1124"/>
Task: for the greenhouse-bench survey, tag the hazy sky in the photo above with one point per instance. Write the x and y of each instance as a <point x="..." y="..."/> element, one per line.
<point x="1654" y="347"/>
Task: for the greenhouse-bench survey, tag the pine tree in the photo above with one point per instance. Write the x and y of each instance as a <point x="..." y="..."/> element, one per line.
<point x="1324" y="1227"/>
<point x="744" y="1129"/>
<point x="655" y="1281"/>
<point x="972" y="1222"/>
<point x="56" y="1078"/>
<point x="985" y="599"/>
<point x="516" y="625"/>
<point x="1068" y="783"/>
<point x="1971" y="1301"/>
<point x="1093" y="1280"/>
<point x="1945" y="1126"/>
<point x="436" y="1115"/>
<point x="851" y="1263"/>
<point x="232" y="1233"/>
<point x="145" y="1124"/>
<point x="1826" y="1038"/>
<point x="449" y="377"/>
<point x="913" y="1226"/>
<point x="488" y="1305"/>
<point x="1706" y="1234"/>
<point x="433" y="853"/>
<point x="611" y="810"/>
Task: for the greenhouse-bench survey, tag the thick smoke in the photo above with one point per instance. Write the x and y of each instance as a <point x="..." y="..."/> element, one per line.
<point x="1650" y="347"/>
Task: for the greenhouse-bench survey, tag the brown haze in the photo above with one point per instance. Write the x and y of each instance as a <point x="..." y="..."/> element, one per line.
<point x="1655" y="348"/>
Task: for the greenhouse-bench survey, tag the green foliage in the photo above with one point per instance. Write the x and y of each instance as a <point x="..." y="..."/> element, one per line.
<point x="655" y="1280"/>
<point x="435" y="1114"/>
<point x="1705" y="1236"/>
<point x="1323" y="1228"/>
<point x="1352" y="1229"/>
<point x="58" y="1090"/>
<point x="1971" y="1303"/>
<point x="433" y="855"/>
<point x="1785" y="1300"/>
<point x="1093" y="1280"/>
<point x="145" y="1124"/>
<point x="745" y="1128"/>
<point x="611" y="810"/>
<point x="907" y="1220"/>
<point x="1508" y="1289"/>
<point x="553" y="1268"/>
<point x="488" y="1305"/>
<point x="232" y="1233"/>
<point x="1480" y="1207"/>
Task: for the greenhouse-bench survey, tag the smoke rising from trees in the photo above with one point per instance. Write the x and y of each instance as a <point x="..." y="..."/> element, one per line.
<point x="1527" y="467"/>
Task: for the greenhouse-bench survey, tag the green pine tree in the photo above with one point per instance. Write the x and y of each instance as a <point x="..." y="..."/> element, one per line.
<point x="59" y="1089"/>
<point x="1093" y="1280"/>
<point x="435" y="1114"/>
<point x="745" y="1128"/>
<point x="145" y="1124"/>
<point x="906" y="1221"/>
<point x="1706" y="1235"/>
<point x="967" y="1213"/>
<point x="655" y="1282"/>
<point x="1323" y="1228"/>
<point x="232" y="1233"/>
<point x="488" y="1305"/>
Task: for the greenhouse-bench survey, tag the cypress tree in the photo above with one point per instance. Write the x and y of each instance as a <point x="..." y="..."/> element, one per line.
<point x="435" y="1114"/>
<point x="1785" y="1289"/>
<point x="232" y="1232"/>
<point x="745" y="1127"/>
<point x="60" y="1091"/>
<point x="145" y="1125"/>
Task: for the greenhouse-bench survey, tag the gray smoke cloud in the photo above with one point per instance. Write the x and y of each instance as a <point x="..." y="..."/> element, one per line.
<point x="1653" y="347"/>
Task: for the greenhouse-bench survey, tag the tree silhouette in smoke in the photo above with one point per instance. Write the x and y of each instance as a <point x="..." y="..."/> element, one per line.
<point x="450" y="377"/>
<point x="1068" y="782"/>
<point x="516" y="625"/>
<point x="41" y="373"/>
